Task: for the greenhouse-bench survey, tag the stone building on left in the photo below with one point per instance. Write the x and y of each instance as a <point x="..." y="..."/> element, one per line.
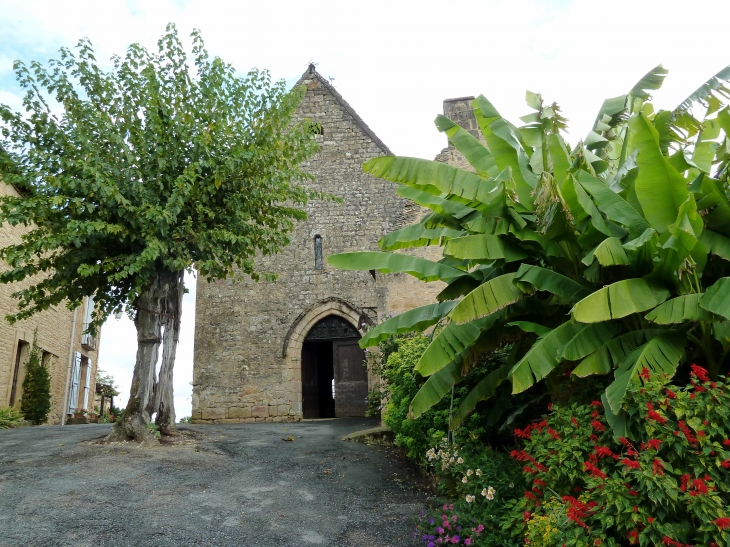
<point x="70" y="355"/>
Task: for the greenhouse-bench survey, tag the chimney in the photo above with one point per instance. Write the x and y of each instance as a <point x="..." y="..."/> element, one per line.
<point x="460" y="111"/>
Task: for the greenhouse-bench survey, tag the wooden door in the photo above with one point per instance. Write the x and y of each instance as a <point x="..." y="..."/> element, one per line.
<point x="351" y="379"/>
<point x="310" y="384"/>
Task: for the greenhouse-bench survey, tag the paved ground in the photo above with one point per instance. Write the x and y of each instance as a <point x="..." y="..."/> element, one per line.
<point x="239" y="485"/>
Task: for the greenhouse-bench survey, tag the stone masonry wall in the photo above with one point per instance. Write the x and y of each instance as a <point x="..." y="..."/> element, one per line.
<point x="54" y="328"/>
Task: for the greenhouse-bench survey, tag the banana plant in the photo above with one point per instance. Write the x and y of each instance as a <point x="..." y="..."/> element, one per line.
<point x="611" y="257"/>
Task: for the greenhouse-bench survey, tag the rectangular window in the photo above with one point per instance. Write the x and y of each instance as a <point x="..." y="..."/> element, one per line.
<point x="318" y="252"/>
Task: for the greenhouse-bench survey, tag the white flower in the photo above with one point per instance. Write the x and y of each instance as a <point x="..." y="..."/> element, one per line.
<point x="469" y="473"/>
<point x="490" y="493"/>
<point x="478" y="472"/>
<point x="469" y="498"/>
<point x="511" y="485"/>
<point x="451" y="459"/>
<point x="464" y="480"/>
<point x="460" y="460"/>
<point x="484" y="492"/>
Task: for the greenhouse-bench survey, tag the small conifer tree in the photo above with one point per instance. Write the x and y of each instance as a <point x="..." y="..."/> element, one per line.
<point x="36" y="401"/>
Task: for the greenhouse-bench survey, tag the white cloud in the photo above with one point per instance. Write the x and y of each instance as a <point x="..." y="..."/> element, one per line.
<point x="395" y="62"/>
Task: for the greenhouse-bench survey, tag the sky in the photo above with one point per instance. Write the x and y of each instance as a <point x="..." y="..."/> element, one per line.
<point x="395" y="62"/>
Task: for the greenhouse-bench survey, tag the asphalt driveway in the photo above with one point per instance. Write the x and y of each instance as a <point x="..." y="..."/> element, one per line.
<point x="223" y="485"/>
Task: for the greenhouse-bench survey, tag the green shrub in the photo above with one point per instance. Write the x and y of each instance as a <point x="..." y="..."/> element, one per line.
<point x="186" y="420"/>
<point x="396" y="361"/>
<point x="10" y="417"/>
<point x="36" y="401"/>
<point x="668" y="485"/>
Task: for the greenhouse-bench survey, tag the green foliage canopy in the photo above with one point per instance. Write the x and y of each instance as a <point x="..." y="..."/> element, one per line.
<point x="610" y="258"/>
<point x="152" y="165"/>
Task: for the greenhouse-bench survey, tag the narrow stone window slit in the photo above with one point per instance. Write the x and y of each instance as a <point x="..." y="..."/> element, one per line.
<point x="318" y="252"/>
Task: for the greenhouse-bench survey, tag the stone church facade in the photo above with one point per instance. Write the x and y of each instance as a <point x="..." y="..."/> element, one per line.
<point x="287" y="350"/>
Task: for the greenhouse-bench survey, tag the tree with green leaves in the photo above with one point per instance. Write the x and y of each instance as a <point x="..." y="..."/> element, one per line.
<point x="610" y="258"/>
<point x="133" y="175"/>
<point x="35" y="404"/>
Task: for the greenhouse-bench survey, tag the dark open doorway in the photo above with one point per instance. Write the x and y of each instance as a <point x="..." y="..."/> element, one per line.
<point x="334" y="379"/>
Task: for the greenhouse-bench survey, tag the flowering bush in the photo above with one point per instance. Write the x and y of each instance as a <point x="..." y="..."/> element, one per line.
<point x="669" y="485"/>
<point x="481" y="480"/>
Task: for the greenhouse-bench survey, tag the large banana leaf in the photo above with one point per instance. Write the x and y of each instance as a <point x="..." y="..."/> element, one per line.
<point x="469" y="146"/>
<point x="420" y="268"/>
<point x="457" y="212"/>
<point x="619" y="300"/>
<point x="486" y="299"/>
<point x="704" y="92"/>
<point x="436" y="178"/>
<point x="609" y="252"/>
<point x="659" y="355"/>
<point x="450" y="343"/>
<point x="433" y="390"/>
<point x="610" y="355"/>
<point x="716" y="243"/>
<point x="534" y="278"/>
<point x="485" y="389"/>
<point x="414" y="320"/>
<point x="660" y="189"/>
<point x="590" y="339"/>
<point x="614" y="206"/>
<point x="680" y="310"/>
<point x="416" y="235"/>
<point x="484" y="247"/>
<point x="543" y="356"/>
<point x="506" y="149"/>
<point x="717" y="298"/>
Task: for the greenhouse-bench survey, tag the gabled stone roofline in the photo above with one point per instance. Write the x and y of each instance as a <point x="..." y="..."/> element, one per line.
<point x="312" y="72"/>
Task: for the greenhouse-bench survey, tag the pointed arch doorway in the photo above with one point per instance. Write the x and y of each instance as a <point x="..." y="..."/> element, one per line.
<point x="334" y="378"/>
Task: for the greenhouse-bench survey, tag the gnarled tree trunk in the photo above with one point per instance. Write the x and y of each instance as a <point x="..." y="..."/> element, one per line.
<point x="164" y="397"/>
<point x="133" y="424"/>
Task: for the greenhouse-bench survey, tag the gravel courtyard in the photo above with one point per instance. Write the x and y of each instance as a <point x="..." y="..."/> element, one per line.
<point x="242" y="485"/>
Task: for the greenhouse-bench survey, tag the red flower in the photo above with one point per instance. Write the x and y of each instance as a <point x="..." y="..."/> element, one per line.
<point x="726" y="442"/>
<point x="684" y="479"/>
<point x="553" y="434"/>
<point x="700" y="373"/>
<point x="593" y="470"/>
<point x="575" y="422"/>
<point x="631" y="463"/>
<point x="597" y="403"/>
<point x="653" y="444"/>
<point x="658" y="467"/>
<point x="644" y="374"/>
<point x="700" y="488"/>
<point x="598" y="426"/>
<point x="654" y="415"/>
<point x="723" y="523"/>
<point x="669" y="541"/>
<point x="605" y="452"/>
<point x="526" y="515"/>
<point x="633" y="537"/>
<point x="651" y="520"/>
<point x="671" y="394"/>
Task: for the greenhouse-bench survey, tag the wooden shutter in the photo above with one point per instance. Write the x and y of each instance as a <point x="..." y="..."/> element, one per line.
<point x="88" y="383"/>
<point x="73" y="395"/>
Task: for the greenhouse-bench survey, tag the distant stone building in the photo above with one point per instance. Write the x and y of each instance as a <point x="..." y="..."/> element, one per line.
<point x="70" y="355"/>
<point x="287" y="350"/>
